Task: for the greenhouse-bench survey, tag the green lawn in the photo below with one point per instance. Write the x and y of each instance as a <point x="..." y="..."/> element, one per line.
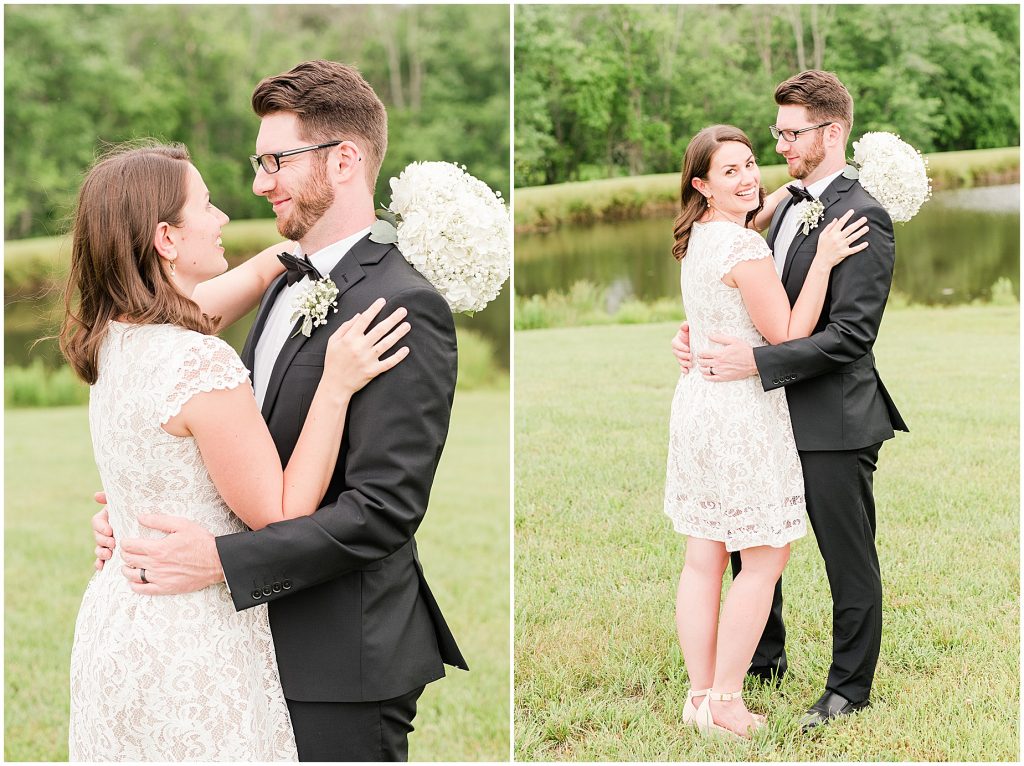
<point x="464" y="546"/>
<point x="598" y="673"/>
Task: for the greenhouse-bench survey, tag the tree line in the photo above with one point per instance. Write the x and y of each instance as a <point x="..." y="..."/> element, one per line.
<point x="78" y="77"/>
<point x="614" y="90"/>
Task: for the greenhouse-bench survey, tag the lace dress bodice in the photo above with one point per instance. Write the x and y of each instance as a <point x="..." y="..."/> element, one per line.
<point x="711" y="305"/>
<point x="733" y="471"/>
<point x="167" y="677"/>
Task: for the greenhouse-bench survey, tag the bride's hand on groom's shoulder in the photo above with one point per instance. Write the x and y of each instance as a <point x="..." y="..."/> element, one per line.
<point x="102" y="532"/>
<point x="354" y="351"/>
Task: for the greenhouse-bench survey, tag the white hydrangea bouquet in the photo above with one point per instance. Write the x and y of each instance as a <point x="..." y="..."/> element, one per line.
<point x="453" y="228"/>
<point x="893" y="172"/>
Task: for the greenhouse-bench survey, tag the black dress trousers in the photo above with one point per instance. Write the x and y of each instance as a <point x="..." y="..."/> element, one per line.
<point x="841" y="506"/>
<point x="354" y="731"/>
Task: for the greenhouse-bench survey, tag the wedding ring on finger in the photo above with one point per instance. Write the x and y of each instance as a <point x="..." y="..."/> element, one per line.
<point x="142" y="574"/>
<point x="712" y="373"/>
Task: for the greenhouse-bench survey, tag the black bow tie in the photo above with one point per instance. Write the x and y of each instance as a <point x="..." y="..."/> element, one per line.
<point x="800" y="193"/>
<point x="296" y="268"/>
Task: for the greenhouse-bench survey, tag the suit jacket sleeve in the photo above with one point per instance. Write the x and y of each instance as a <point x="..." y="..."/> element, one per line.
<point x="858" y="290"/>
<point x="395" y="430"/>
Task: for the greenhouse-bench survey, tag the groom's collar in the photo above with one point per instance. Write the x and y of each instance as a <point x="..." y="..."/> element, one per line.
<point x="818" y="188"/>
<point x="326" y="258"/>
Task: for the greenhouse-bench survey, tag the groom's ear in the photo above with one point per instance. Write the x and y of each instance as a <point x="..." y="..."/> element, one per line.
<point x="835" y="133"/>
<point x="347" y="160"/>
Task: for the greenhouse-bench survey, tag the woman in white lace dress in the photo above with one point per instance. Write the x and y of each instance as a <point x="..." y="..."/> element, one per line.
<point x="734" y="481"/>
<point x="176" y="430"/>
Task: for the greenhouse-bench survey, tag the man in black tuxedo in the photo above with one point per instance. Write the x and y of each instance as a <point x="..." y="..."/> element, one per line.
<point x="357" y="631"/>
<point x="840" y="410"/>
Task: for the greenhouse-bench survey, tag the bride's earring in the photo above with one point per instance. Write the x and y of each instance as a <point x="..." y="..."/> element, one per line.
<point x="172" y="268"/>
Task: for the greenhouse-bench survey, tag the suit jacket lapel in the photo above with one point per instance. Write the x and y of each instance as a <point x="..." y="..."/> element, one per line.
<point x="269" y="297"/>
<point x="773" y="230"/>
<point x="345" y="274"/>
<point x="839" y="186"/>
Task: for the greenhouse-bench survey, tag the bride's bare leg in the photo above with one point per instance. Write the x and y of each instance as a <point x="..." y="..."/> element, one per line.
<point x="697" y="601"/>
<point x="743" y="619"/>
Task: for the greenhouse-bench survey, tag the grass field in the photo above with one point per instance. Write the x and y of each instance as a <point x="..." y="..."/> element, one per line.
<point x="463" y="544"/>
<point x="598" y="672"/>
<point x="542" y="207"/>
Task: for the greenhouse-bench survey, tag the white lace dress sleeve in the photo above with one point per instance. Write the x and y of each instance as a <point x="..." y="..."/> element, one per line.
<point x="167" y="678"/>
<point x="201" y="363"/>
<point x="745" y="245"/>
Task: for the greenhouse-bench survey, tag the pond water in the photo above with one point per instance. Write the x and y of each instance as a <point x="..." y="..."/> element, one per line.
<point x="956" y="247"/>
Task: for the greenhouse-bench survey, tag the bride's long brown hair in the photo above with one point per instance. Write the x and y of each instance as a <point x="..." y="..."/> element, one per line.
<point x="696" y="164"/>
<point x="115" y="269"/>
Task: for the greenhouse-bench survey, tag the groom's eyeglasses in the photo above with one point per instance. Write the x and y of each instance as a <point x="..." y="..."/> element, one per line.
<point x="271" y="163"/>
<point x="790" y="135"/>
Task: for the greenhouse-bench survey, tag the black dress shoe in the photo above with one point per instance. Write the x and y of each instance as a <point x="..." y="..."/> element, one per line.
<point x="830" y="705"/>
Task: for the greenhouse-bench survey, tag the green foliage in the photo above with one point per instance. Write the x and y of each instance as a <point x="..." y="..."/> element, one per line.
<point x="38" y="386"/>
<point x="78" y="77"/>
<point x="588" y="304"/>
<point x="598" y="673"/>
<point x="1002" y="294"/>
<point x="463" y="544"/>
<point x="606" y="91"/>
<point x="477" y="366"/>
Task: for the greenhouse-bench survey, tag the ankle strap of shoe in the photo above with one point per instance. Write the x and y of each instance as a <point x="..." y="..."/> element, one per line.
<point x="725" y="696"/>
<point x="698" y="693"/>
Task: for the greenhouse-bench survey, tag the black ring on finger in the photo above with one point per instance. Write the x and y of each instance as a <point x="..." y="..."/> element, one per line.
<point x="142" y="574"/>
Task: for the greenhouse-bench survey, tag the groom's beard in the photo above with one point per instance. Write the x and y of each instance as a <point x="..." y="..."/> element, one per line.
<point x="810" y="161"/>
<point x="308" y="206"/>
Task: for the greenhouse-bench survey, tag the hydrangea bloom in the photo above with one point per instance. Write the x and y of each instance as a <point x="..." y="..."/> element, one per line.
<point x="894" y="173"/>
<point x="454" y="230"/>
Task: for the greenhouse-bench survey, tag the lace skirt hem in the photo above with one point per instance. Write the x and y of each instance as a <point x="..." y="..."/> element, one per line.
<point x="781" y="532"/>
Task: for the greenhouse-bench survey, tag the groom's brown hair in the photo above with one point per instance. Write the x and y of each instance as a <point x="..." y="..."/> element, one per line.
<point x="822" y="94"/>
<point x="332" y="102"/>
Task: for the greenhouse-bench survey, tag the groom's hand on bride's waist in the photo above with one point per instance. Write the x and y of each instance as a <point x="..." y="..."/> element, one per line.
<point x="102" y="532"/>
<point x="731" y="359"/>
<point x="681" y="347"/>
<point x="185" y="560"/>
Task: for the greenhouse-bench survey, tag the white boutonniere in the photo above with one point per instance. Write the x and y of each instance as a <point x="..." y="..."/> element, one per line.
<point x="811" y="214"/>
<point x="313" y="303"/>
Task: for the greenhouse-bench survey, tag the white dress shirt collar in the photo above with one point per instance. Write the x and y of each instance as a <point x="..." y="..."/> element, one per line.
<point x="817" y="188"/>
<point x="326" y="258"/>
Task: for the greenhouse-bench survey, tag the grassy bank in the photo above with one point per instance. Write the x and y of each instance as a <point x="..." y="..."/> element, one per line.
<point x="544" y="207"/>
<point x="463" y="545"/>
<point x="31" y="265"/>
<point x="586" y="303"/>
<point x="36" y="385"/>
<point x="598" y="671"/>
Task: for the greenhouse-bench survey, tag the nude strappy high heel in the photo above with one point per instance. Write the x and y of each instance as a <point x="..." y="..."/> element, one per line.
<point x="689" y="709"/>
<point x="706" y="723"/>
